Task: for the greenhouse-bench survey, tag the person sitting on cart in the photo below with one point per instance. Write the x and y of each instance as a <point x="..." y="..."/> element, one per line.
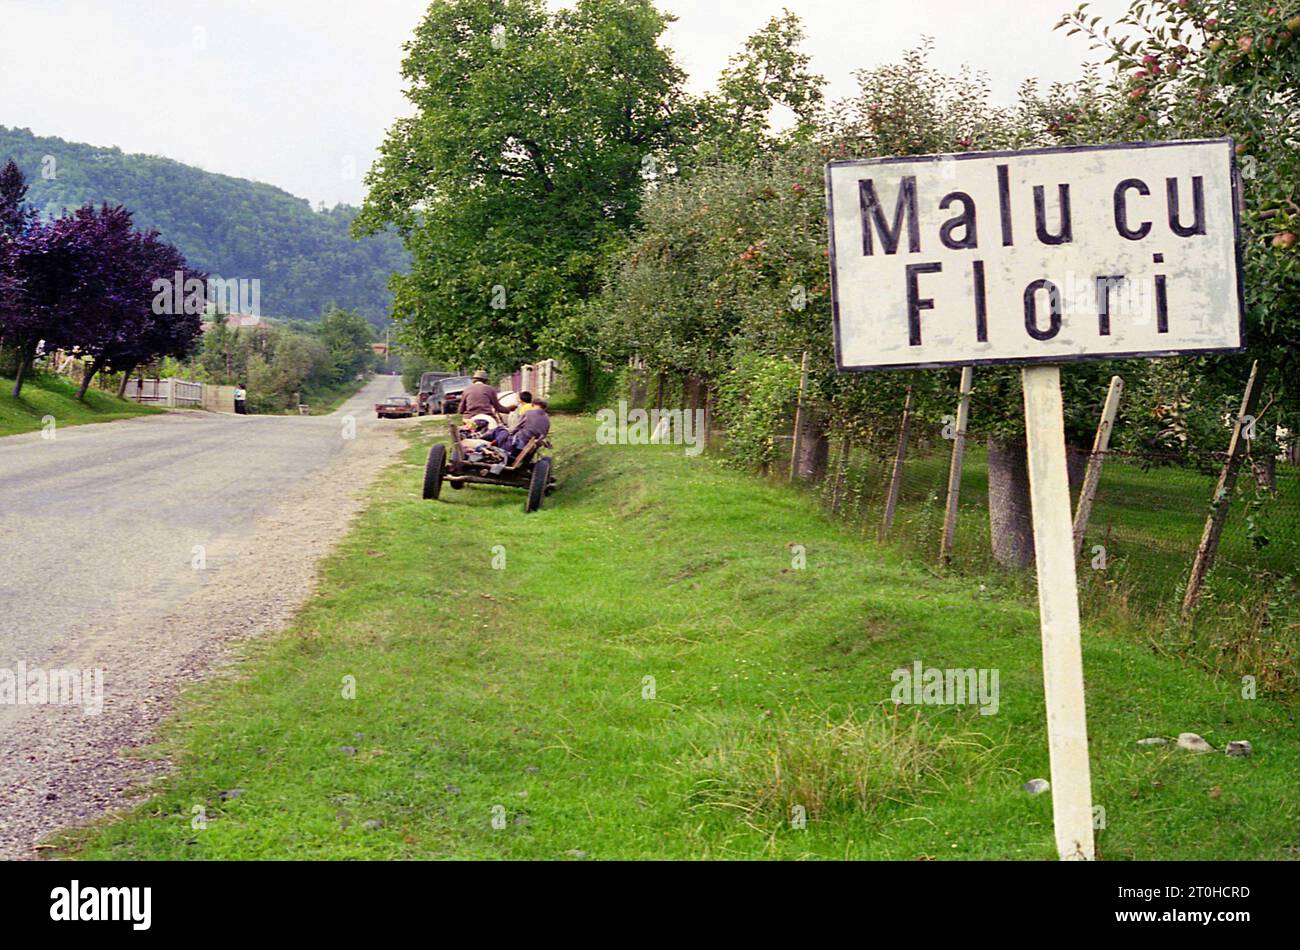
<point x="481" y="397"/>
<point x="536" y="424"/>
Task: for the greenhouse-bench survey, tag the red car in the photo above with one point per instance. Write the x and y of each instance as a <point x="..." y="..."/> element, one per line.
<point x="395" y="407"/>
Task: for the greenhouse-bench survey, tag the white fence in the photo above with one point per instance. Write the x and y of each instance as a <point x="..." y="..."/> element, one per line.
<point x="165" y="392"/>
<point x="538" y="378"/>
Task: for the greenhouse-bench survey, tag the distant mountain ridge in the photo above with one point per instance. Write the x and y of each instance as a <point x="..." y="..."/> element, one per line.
<point x="230" y="227"/>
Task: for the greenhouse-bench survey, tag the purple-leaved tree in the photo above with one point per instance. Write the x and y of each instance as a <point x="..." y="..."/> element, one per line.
<point x="44" y="274"/>
<point x="169" y="330"/>
<point x="89" y="280"/>
<point x="135" y="284"/>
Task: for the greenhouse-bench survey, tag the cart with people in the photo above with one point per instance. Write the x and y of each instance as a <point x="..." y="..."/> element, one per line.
<point x="471" y="456"/>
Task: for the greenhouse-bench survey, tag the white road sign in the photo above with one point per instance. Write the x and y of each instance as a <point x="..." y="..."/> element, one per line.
<point x="1042" y="256"/>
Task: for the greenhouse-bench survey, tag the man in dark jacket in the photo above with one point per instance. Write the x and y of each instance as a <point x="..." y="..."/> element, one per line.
<point x="535" y="424"/>
<point x="479" y="396"/>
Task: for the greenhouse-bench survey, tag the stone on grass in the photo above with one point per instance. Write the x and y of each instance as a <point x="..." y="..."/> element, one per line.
<point x="1154" y="740"/>
<point x="374" y="824"/>
<point x="1238" y="747"/>
<point x="1036" y="786"/>
<point x="1193" y="743"/>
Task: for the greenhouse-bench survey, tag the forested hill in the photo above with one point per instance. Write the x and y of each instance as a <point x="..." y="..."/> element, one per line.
<point x="230" y="227"/>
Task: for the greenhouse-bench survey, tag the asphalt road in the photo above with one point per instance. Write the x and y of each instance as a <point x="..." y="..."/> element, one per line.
<point x="138" y="548"/>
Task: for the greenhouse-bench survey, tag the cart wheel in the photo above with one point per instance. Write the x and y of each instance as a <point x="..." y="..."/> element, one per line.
<point x="537" y="484"/>
<point x="433" y="470"/>
<point x="456" y="486"/>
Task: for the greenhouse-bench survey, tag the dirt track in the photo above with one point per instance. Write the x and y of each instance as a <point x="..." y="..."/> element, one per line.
<point x="143" y="549"/>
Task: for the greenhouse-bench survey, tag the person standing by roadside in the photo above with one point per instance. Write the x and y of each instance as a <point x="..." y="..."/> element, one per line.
<point x="241" y="400"/>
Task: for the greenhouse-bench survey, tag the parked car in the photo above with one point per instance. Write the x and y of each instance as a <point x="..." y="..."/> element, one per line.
<point x="445" y="398"/>
<point x="427" y="382"/>
<point x="395" y="407"/>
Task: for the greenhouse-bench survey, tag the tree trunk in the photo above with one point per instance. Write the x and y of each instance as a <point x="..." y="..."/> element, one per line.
<point x="696" y="396"/>
<point x="691" y="393"/>
<point x="814" y="447"/>
<point x="87" y="374"/>
<point x="126" y="378"/>
<point x="636" y="388"/>
<point x="26" y="354"/>
<point x="1010" y="525"/>
<point x="1266" y="473"/>
<point x="1076" y="466"/>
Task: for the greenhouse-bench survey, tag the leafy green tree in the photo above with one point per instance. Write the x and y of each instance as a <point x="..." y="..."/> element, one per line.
<point x="1203" y="69"/>
<point x="770" y="76"/>
<point x="348" y="338"/>
<point x="526" y="156"/>
<point x="222" y="355"/>
<point x="16" y="216"/>
<point x="414" y="365"/>
<point x="294" y="363"/>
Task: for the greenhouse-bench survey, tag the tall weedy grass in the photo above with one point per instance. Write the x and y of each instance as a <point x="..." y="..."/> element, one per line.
<point x="831" y="766"/>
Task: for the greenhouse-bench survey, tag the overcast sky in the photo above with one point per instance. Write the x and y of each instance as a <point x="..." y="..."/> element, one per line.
<point x="299" y="93"/>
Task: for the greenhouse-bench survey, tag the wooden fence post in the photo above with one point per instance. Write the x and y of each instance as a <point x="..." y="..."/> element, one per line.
<point x="1222" y="496"/>
<point x="796" y="442"/>
<point x="1058" y="613"/>
<point x="1100" y="443"/>
<point x="896" y="479"/>
<point x="954" y="469"/>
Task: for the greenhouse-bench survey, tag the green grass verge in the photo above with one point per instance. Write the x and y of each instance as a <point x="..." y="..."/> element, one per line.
<point x="524" y="694"/>
<point x="54" y="396"/>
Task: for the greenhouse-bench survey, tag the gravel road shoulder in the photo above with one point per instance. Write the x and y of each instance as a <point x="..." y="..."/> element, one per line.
<point x="62" y="767"/>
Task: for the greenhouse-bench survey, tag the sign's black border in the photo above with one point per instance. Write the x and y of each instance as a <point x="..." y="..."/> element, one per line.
<point x="1026" y="361"/>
